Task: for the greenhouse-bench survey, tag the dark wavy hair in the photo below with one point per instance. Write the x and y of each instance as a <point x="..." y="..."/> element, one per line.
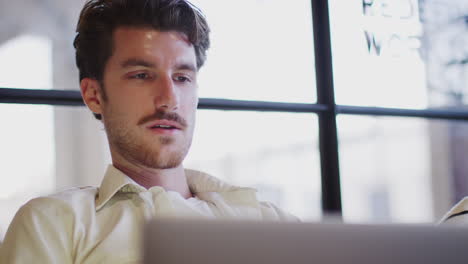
<point x="100" y="18"/>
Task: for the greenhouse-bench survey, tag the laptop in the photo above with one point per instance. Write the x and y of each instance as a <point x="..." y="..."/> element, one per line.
<point x="179" y="241"/>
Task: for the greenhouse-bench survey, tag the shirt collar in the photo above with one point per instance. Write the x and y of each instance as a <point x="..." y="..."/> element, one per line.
<point x="199" y="182"/>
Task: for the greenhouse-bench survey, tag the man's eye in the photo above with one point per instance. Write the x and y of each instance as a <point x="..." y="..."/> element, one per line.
<point x="182" y="79"/>
<point x="141" y="76"/>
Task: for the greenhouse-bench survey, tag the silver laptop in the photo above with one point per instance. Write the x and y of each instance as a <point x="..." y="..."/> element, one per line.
<point x="226" y="242"/>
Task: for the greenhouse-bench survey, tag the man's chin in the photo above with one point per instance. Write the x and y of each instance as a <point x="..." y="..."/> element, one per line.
<point x="163" y="165"/>
<point x="165" y="140"/>
<point x="164" y="158"/>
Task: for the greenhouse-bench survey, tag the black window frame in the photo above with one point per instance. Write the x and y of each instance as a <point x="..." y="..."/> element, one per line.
<point x="325" y="107"/>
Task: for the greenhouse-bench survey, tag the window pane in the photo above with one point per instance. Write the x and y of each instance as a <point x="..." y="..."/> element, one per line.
<point x="276" y="153"/>
<point x="403" y="170"/>
<point x="27" y="153"/>
<point x="32" y="51"/>
<point x="19" y="70"/>
<point x="402" y="53"/>
<point x="261" y="50"/>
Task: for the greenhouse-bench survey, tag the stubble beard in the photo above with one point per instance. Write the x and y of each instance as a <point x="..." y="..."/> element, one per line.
<point x="133" y="148"/>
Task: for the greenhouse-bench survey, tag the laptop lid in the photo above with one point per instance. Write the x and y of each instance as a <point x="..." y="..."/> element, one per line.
<point x="177" y="241"/>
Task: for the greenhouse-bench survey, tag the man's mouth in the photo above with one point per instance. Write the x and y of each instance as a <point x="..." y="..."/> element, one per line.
<point x="162" y="121"/>
<point x="164" y="124"/>
<point x="163" y="127"/>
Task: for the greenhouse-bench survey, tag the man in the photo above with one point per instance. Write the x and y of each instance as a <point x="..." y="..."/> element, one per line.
<point x="138" y="63"/>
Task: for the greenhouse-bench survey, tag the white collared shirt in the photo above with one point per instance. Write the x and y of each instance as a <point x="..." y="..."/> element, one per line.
<point x="458" y="215"/>
<point x="103" y="225"/>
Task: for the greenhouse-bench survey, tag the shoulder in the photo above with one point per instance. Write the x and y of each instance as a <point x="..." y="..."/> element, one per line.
<point x="43" y="228"/>
<point x="56" y="213"/>
<point x="273" y="212"/>
<point x="458" y="215"/>
<point x="65" y="201"/>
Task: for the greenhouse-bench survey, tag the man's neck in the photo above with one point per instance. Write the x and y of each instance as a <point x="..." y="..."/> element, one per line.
<point x="170" y="179"/>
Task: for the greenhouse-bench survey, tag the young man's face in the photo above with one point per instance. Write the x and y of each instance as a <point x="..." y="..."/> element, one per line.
<point x="150" y="83"/>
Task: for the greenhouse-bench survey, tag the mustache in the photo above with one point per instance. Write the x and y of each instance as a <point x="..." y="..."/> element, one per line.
<point x="163" y="115"/>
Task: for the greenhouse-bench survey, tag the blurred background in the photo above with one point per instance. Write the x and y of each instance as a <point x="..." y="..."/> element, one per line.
<point x="408" y="54"/>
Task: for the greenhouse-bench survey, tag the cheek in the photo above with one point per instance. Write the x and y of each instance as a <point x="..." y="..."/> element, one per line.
<point x="127" y="108"/>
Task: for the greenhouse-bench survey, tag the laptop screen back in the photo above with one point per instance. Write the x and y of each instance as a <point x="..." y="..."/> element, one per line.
<point x="175" y="241"/>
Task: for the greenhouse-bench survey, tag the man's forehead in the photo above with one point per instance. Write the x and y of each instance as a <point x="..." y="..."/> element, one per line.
<point x="144" y="46"/>
<point x="150" y="33"/>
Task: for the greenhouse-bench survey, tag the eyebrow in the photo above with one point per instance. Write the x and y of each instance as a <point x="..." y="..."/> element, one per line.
<point x="137" y="62"/>
<point x="186" y="66"/>
<point x="132" y="62"/>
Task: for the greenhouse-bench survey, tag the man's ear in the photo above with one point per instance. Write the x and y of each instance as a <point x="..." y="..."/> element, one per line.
<point x="91" y="91"/>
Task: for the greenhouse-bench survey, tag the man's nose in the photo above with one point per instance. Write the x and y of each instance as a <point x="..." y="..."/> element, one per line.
<point x="166" y="94"/>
